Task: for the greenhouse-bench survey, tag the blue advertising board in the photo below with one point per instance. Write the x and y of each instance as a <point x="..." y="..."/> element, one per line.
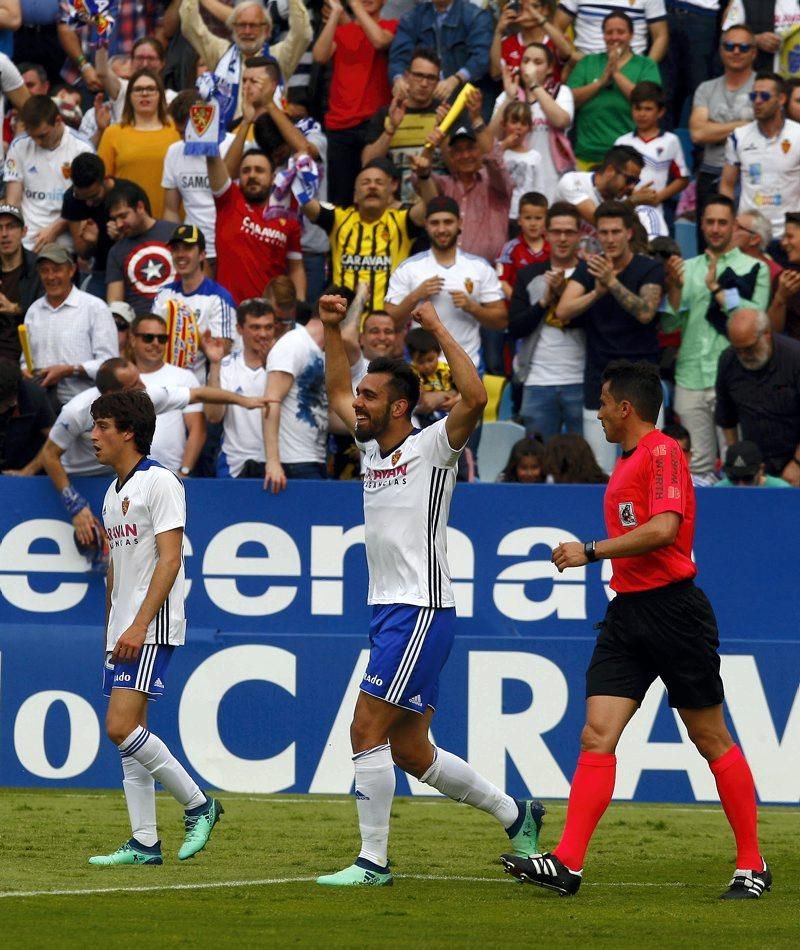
<point x="260" y="698"/>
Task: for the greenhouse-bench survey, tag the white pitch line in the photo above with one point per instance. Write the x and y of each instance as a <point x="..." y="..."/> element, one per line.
<point x="265" y="882"/>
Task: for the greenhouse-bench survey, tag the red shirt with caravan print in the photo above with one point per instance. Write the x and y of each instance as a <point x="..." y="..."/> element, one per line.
<point x="253" y="243"/>
<point x="648" y="480"/>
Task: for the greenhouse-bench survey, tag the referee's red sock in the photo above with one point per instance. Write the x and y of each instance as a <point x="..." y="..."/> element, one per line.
<point x="738" y="796"/>
<point x="589" y="796"/>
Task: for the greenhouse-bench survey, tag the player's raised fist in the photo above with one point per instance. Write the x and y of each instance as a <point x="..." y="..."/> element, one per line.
<point x="426" y="316"/>
<point x="332" y="309"/>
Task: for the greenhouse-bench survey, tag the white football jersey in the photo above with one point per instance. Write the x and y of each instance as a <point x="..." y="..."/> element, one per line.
<point x="147" y="503"/>
<point x="243" y="436"/>
<point x="663" y="163"/>
<point x="769" y="170"/>
<point x="407" y="496"/>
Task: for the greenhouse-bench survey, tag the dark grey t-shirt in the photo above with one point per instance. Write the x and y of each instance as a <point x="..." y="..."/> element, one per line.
<point x="144" y="264"/>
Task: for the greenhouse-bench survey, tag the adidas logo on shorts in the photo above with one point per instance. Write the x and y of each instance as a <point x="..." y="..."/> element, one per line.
<point x="158" y="684"/>
<point x="416" y="700"/>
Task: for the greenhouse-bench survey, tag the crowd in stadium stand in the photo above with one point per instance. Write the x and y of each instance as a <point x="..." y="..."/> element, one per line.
<point x="617" y="180"/>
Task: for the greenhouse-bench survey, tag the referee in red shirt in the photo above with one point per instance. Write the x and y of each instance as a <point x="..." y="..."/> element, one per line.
<point x="658" y="625"/>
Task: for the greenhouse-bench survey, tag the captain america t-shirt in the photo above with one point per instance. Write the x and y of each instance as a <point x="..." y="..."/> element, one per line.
<point x="144" y="264"/>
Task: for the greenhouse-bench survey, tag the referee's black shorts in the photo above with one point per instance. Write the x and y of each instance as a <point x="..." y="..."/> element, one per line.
<point x="671" y="633"/>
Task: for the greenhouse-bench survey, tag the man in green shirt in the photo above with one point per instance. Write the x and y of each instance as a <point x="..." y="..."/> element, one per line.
<point x="701" y="293"/>
<point x="601" y="85"/>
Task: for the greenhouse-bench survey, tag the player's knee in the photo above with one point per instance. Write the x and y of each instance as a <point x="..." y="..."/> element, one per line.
<point x="118" y="728"/>
<point x="596" y="738"/>
<point x="413" y="761"/>
<point x="361" y="736"/>
<point x="711" y="742"/>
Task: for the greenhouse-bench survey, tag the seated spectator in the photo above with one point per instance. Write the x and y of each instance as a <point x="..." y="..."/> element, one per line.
<point x="784" y="311"/>
<point x="254" y="242"/>
<point x="530" y="246"/>
<point x="552" y="109"/>
<point x="758" y="392"/>
<point x="665" y="174"/>
<point x="357" y="49"/>
<point x="71" y="332"/>
<point x="650" y="30"/>
<point x="525" y="463"/>
<point x="551" y="356"/>
<point x="614" y="179"/>
<point x="569" y="460"/>
<point x="400" y="130"/>
<point x="296" y="428"/>
<point x="752" y="235"/>
<point x="179" y="435"/>
<point x="251" y="26"/>
<point x="26" y="417"/>
<point x="242" y="450"/>
<point x="36" y="171"/>
<point x="460" y="31"/>
<point x="518" y="26"/>
<point x="139" y="264"/>
<point x="744" y="466"/>
<point x="19" y="280"/>
<point x="602" y="84"/>
<point x="437" y="395"/>
<point x="136" y="148"/>
<point x="619" y="295"/>
<point x="463" y="287"/>
<point x="370" y="238"/>
<point x="84" y="210"/>
<point x="684" y="439"/>
<point x="193" y="306"/>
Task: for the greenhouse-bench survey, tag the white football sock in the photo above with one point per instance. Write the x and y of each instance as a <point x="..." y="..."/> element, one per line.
<point x="375" y="781"/>
<point x="140" y="797"/>
<point x="458" y="780"/>
<point x="156" y="758"/>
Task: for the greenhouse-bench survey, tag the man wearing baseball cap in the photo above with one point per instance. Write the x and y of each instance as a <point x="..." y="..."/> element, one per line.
<point x="744" y="466"/>
<point x="19" y="280"/>
<point x="193" y="305"/>
<point x="464" y="288"/>
<point x="71" y="332"/>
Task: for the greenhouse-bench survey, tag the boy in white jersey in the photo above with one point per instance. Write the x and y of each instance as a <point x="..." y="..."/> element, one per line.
<point x="144" y="513"/>
<point x="409" y="476"/>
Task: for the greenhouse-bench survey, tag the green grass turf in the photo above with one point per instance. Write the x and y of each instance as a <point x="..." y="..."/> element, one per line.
<point x="653" y="878"/>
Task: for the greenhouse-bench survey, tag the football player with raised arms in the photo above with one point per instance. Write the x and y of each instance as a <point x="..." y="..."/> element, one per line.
<point x="409" y="476"/>
<point x="144" y="514"/>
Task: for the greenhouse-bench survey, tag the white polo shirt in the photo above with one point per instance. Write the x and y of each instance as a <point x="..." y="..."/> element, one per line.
<point x="469" y="273"/>
<point x="769" y="170"/>
<point x="45" y="175"/>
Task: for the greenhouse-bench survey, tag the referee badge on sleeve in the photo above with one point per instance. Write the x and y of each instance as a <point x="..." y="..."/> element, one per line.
<point x="627" y="514"/>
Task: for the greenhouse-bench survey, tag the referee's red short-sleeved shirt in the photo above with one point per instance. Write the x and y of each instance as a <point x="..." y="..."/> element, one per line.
<point x="651" y="479"/>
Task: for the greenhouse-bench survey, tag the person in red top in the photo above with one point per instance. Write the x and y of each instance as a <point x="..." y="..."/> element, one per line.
<point x="529" y="246"/>
<point x="658" y="625"/>
<point x="359" y="48"/>
<point x="255" y="243"/>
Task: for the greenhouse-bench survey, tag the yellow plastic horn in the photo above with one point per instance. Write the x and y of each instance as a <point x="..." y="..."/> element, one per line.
<point x="455" y="109"/>
<point x="25" y="343"/>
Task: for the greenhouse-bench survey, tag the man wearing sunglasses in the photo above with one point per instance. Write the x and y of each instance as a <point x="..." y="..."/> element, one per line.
<point x="721" y="106"/>
<point x="764" y="158"/>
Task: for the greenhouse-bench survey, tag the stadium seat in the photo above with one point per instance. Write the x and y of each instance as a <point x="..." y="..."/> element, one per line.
<point x="495" y="387"/>
<point x="497" y="438"/>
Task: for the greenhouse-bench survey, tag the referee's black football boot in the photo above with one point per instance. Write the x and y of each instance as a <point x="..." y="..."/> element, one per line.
<point x="543" y="870"/>
<point x="748" y="885"/>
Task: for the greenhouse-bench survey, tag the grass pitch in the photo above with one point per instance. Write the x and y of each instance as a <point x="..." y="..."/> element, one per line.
<point x="652" y="879"/>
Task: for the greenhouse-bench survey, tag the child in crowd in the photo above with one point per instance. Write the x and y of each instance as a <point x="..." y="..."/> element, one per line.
<point x="525" y="463"/>
<point x="520" y="159"/>
<point x="665" y="174"/>
<point x="438" y="394"/>
<point x="530" y="246"/>
<point x="569" y="460"/>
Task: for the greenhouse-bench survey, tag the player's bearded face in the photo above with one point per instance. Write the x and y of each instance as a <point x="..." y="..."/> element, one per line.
<point x="370" y="423"/>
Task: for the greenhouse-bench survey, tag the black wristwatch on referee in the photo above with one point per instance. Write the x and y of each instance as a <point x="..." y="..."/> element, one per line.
<point x="590" y="550"/>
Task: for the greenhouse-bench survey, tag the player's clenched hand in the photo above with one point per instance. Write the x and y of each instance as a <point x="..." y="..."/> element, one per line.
<point x="332" y="309"/>
<point x="426" y="316"/>
<point x="569" y="554"/>
<point x="129" y="644"/>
